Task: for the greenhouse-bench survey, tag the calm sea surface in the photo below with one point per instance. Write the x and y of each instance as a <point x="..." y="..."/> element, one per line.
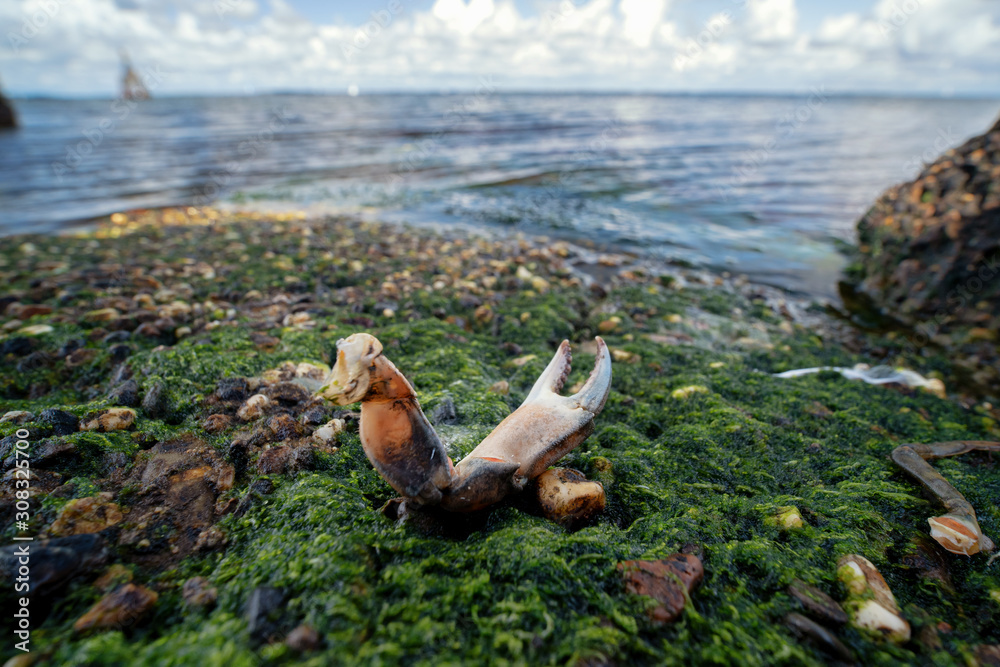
<point x="757" y="185"/>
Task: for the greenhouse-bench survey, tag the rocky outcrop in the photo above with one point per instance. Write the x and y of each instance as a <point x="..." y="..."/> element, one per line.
<point x="7" y="117"/>
<point x="929" y="260"/>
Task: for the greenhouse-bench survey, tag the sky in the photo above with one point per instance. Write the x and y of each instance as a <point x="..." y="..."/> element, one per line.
<point x="923" y="47"/>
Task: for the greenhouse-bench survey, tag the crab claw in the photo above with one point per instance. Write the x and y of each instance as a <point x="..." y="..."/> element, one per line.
<point x="396" y="436"/>
<point x="541" y="431"/>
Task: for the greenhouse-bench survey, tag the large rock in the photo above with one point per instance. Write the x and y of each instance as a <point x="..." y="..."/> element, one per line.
<point x="7" y="117"/>
<point x="929" y="260"/>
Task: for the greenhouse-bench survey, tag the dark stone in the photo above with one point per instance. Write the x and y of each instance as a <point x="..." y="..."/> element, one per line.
<point x="126" y="394"/>
<point x="261" y="487"/>
<point x="36" y="359"/>
<point x="53" y="453"/>
<point x="287" y="393"/>
<point x="513" y="349"/>
<point x="69" y="347"/>
<point x="18" y="346"/>
<point x="121" y="374"/>
<point x="263" y="612"/>
<point x="62" y="422"/>
<point x="818" y="636"/>
<point x="445" y="413"/>
<point x="239" y="455"/>
<point x="232" y="389"/>
<point x="817" y="604"/>
<point x="930" y="560"/>
<point x="283" y="427"/>
<point x="155" y="403"/>
<point x="119" y="353"/>
<point x="274" y="461"/>
<point x="315" y="416"/>
<point x="116" y="337"/>
<point x="54" y="562"/>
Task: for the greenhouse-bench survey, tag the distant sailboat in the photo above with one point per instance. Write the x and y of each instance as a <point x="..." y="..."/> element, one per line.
<point x="132" y="86"/>
<point x="7" y="117"/>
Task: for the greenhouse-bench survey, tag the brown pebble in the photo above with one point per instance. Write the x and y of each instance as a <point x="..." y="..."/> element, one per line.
<point x="658" y="579"/>
<point x="303" y="639"/>
<point x="988" y="655"/>
<point x="119" y="609"/>
<point x="217" y="423"/>
<point x="817" y="604"/>
<point x="115" y="575"/>
<point x="198" y="592"/>
<point x="80" y="357"/>
<point x="569" y="498"/>
<point x="86" y="515"/>
<point x="502" y="387"/>
<point x="112" y="419"/>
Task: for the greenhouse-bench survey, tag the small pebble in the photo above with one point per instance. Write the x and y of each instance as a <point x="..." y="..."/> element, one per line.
<point x="17" y="417"/>
<point x="119" y="609"/>
<point x="112" y="419"/>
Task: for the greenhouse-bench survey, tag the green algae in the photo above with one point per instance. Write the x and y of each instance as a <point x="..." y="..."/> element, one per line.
<point x="702" y="471"/>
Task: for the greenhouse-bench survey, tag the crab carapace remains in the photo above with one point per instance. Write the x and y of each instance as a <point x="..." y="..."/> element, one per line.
<point x="407" y="453"/>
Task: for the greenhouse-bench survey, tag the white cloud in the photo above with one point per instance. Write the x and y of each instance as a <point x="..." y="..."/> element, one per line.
<point x="642" y="17"/>
<point x="772" y="20"/>
<point x="222" y="46"/>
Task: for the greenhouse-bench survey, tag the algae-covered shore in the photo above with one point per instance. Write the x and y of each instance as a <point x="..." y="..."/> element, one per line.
<point x="246" y="537"/>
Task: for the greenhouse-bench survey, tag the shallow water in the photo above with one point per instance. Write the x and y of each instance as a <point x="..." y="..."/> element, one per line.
<point x="756" y="185"/>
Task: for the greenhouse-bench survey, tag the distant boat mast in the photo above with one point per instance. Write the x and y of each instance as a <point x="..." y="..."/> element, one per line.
<point x="132" y="86"/>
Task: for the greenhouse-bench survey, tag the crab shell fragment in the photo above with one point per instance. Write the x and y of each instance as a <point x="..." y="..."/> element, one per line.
<point x="406" y="451"/>
<point x="956" y="534"/>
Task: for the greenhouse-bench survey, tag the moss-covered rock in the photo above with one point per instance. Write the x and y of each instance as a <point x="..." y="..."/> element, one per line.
<point x="928" y="261"/>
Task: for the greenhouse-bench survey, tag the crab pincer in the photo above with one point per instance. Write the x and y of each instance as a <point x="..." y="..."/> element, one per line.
<point x="405" y="450"/>
<point x="541" y="431"/>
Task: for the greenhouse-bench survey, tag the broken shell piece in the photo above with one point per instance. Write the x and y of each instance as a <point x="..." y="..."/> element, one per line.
<point x="956" y="534"/>
<point x="877" y="375"/>
<point x="569" y="498"/>
<point x="327" y="434"/>
<point x="957" y="531"/>
<point x="870" y="603"/>
<point x="254" y="407"/>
